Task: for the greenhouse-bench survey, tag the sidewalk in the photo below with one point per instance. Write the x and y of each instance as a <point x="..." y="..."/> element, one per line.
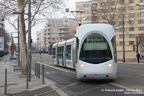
<point x="132" y="62"/>
<point x="16" y="84"/>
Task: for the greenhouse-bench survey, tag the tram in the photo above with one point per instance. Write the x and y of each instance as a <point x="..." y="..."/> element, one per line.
<point x="92" y="53"/>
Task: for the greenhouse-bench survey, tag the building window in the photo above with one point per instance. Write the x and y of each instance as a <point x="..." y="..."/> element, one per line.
<point x="103" y="10"/>
<point x="121" y="29"/>
<point x="94" y="5"/>
<point x="141" y="0"/>
<point x="88" y="18"/>
<point x="120" y="22"/>
<point x="131" y="8"/>
<point x="84" y="5"/>
<point x="103" y="4"/>
<point x="121" y="2"/>
<point x="141" y="21"/>
<point x="104" y="17"/>
<point x="131" y="1"/>
<point x="93" y="12"/>
<point x="113" y="23"/>
<point x="141" y="7"/>
<point x="88" y="11"/>
<point x="112" y="9"/>
<point x="141" y="14"/>
<point x="141" y="28"/>
<point x="131" y="22"/>
<point x="113" y="3"/>
<point x="131" y="42"/>
<point x="94" y="18"/>
<point x="84" y="12"/>
<point x="120" y="36"/>
<point x="121" y="9"/>
<point x="112" y="16"/>
<point x="131" y="35"/>
<point x="87" y="5"/>
<point x="131" y="15"/>
<point x="66" y="21"/>
<point x="121" y="42"/>
<point x="121" y="16"/>
<point x="131" y="29"/>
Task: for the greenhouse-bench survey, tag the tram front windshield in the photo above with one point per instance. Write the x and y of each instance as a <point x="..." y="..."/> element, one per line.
<point x="95" y="49"/>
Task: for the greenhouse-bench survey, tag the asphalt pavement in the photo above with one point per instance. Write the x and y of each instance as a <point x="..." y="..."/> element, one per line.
<point x="16" y="84"/>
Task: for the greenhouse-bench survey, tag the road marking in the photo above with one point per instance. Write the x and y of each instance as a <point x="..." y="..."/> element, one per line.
<point x="52" y="85"/>
<point x="85" y="91"/>
<point x="58" y="90"/>
<point x="47" y="73"/>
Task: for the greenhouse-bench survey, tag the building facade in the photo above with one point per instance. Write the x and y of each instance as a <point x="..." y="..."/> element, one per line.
<point x="57" y="30"/>
<point x="39" y="41"/>
<point x="112" y="12"/>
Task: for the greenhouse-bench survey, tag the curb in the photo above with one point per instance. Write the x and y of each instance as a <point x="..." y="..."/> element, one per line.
<point x="3" y="57"/>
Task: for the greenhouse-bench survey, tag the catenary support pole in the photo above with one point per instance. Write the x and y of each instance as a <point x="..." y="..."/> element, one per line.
<point x="29" y="39"/>
<point x="123" y="41"/>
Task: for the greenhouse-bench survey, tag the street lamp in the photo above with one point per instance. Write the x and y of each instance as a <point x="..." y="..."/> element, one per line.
<point x="29" y="38"/>
<point x="75" y="17"/>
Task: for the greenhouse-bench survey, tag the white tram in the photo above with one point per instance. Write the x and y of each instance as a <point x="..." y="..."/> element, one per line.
<point x="92" y="53"/>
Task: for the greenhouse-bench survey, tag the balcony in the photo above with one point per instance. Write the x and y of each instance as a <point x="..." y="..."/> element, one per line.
<point x="93" y="13"/>
<point x="63" y="27"/>
<point x="64" y="31"/>
<point x="63" y="36"/>
<point x="93" y="8"/>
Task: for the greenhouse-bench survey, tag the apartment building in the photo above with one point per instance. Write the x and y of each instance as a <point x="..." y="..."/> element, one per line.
<point x="2" y="23"/>
<point x="39" y="40"/>
<point x="57" y="30"/>
<point x="112" y="12"/>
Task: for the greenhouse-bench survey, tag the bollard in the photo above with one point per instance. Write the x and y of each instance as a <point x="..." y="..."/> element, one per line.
<point x="5" y="81"/>
<point x="35" y="69"/>
<point x="43" y="74"/>
<point x="39" y="70"/>
<point x="27" y="86"/>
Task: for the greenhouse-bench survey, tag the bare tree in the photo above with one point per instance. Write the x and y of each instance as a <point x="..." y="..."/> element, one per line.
<point x="40" y="8"/>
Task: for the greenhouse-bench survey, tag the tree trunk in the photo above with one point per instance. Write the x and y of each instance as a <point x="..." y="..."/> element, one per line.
<point x="23" y="47"/>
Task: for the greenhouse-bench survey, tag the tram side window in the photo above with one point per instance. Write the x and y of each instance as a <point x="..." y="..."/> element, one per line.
<point x="68" y="52"/>
<point x="58" y="52"/>
<point x="61" y="52"/>
<point x="114" y="48"/>
<point x="53" y="52"/>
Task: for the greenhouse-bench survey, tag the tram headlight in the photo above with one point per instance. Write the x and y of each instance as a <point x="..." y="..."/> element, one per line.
<point x="109" y="65"/>
<point x="82" y="65"/>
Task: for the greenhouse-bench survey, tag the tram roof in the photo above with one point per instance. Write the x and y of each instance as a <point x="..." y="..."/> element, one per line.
<point x="106" y="29"/>
<point x="70" y="40"/>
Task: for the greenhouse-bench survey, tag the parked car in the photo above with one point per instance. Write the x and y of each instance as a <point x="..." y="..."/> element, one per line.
<point x="16" y="53"/>
<point x="14" y="57"/>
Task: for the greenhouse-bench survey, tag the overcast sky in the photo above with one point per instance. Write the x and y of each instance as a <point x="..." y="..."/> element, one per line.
<point x="71" y="5"/>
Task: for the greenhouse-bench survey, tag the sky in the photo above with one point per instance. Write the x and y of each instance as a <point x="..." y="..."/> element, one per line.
<point x="71" y="5"/>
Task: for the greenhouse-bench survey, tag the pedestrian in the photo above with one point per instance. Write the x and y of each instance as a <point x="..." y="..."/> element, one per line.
<point x="138" y="57"/>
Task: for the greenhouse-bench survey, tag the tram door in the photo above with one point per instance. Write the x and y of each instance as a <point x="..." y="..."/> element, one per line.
<point x="58" y="55"/>
<point x="68" y="56"/>
<point x="62" y="55"/>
